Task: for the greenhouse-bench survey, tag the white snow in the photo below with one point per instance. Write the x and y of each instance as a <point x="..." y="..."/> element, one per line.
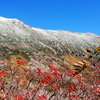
<point x="20" y="29"/>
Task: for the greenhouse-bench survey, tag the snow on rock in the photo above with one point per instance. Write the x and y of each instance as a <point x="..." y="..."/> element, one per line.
<point x="15" y="29"/>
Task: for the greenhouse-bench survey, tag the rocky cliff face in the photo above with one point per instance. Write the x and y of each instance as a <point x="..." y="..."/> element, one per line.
<point x="18" y="38"/>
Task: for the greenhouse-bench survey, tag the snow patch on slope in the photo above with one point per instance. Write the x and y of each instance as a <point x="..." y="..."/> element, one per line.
<point x="17" y="28"/>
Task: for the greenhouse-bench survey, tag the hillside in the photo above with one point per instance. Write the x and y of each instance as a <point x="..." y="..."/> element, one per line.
<point x="36" y="64"/>
<point x="18" y="38"/>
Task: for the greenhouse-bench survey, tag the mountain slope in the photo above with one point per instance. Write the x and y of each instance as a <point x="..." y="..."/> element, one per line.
<point x="42" y="46"/>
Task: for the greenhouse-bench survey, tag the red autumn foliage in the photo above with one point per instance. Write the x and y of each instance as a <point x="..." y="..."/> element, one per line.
<point x="26" y="70"/>
<point x="71" y="72"/>
<point x="21" y="83"/>
<point x="20" y="62"/>
<point x="52" y="67"/>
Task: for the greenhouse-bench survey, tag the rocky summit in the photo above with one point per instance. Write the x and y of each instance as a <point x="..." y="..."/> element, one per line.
<point x="41" y="46"/>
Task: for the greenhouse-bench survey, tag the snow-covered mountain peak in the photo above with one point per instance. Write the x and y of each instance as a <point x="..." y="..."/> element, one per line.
<point x="2" y="19"/>
<point x="13" y="30"/>
<point x="10" y="21"/>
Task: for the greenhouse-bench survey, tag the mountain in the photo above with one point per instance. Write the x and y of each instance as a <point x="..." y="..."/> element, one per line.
<point x="42" y="46"/>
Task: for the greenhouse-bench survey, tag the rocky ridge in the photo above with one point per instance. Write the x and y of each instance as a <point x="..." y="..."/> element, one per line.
<point x="42" y="46"/>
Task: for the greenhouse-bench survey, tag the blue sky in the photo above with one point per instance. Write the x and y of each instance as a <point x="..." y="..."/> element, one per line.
<point x="72" y="15"/>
